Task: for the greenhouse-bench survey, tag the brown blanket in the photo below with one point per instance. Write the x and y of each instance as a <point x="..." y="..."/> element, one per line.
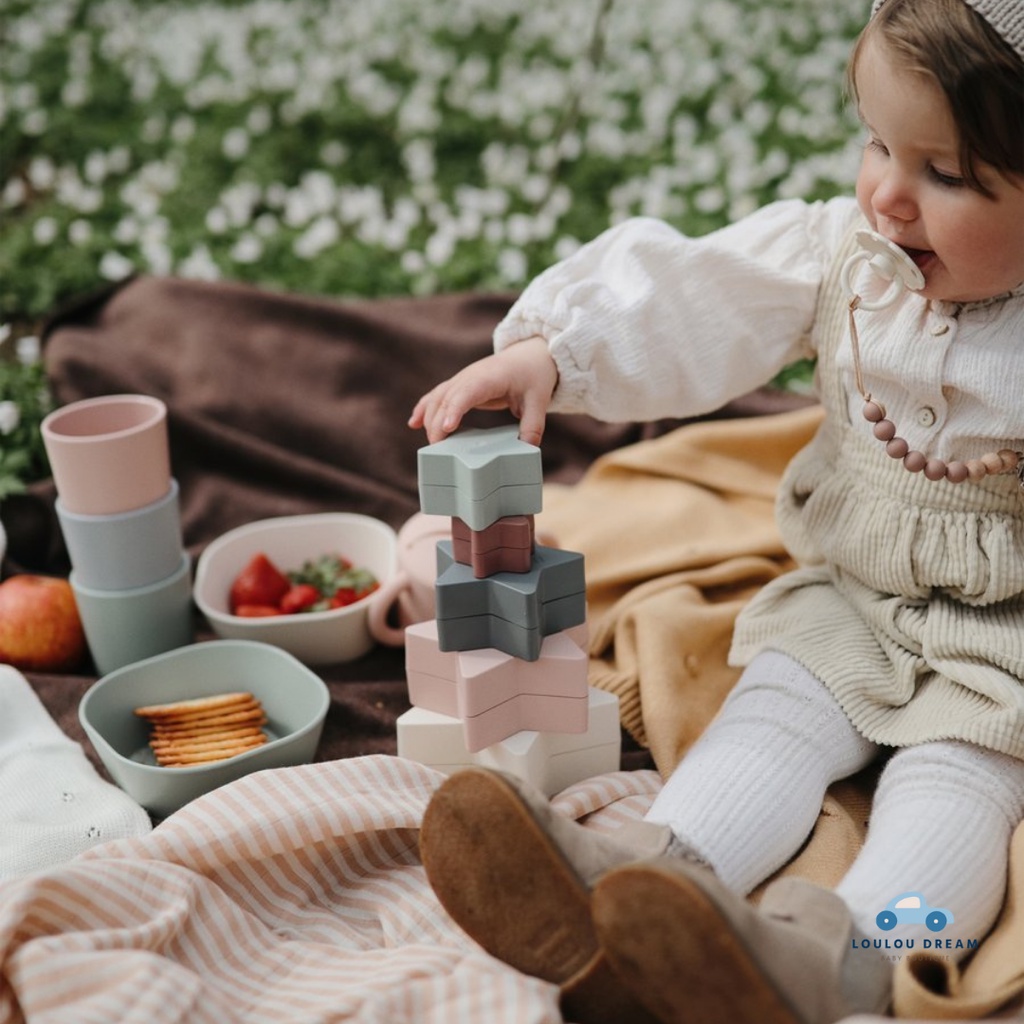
<point x="281" y="405"/>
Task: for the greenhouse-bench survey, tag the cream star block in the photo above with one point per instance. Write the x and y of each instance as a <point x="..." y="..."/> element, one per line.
<point x="480" y="476"/>
<point x="550" y="761"/>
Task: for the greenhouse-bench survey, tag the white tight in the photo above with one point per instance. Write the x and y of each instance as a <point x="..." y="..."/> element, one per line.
<point x="748" y="793"/>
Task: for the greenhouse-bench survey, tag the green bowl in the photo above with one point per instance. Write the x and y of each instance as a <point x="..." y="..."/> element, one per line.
<point x="294" y="697"/>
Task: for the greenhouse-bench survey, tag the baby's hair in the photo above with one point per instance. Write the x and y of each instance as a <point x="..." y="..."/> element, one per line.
<point x="979" y="73"/>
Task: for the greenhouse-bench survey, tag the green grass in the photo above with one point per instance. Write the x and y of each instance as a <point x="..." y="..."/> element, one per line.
<point x="347" y="148"/>
<point x="367" y="149"/>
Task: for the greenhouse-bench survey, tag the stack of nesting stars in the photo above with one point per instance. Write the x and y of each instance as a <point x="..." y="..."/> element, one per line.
<point x="499" y="678"/>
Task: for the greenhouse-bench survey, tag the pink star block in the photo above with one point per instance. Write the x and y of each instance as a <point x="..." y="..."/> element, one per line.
<point x="495" y="694"/>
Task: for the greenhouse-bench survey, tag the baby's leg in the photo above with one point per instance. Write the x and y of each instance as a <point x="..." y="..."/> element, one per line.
<point x="747" y="794"/>
<point x="941" y="825"/>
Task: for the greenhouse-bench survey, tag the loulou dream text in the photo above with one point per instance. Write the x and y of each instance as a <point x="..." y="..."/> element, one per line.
<point x="910" y="943"/>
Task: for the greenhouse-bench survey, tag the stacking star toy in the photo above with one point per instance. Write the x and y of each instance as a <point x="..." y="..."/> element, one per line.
<point x="500" y="676"/>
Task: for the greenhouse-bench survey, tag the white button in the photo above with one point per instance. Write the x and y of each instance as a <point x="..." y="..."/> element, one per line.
<point x="926" y="416"/>
<point x="938" y="329"/>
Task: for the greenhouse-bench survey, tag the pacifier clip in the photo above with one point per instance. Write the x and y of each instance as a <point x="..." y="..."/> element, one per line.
<point x="892" y="264"/>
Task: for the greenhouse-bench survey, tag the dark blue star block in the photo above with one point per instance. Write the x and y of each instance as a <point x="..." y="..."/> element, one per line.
<point x="510" y="611"/>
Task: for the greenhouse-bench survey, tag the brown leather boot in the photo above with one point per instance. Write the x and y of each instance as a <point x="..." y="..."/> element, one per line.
<point x="694" y="952"/>
<point x="516" y="876"/>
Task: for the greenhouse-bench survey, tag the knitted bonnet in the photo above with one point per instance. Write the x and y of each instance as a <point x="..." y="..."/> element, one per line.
<point x="1005" y="16"/>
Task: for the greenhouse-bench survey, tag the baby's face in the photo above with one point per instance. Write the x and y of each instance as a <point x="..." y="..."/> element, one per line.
<point x="968" y="246"/>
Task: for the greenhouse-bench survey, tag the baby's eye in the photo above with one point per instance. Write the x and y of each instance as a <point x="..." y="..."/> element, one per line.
<point x="877" y="145"/>
<point x="947" y="180"/>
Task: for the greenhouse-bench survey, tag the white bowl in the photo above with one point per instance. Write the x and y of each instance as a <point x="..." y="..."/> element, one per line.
<point x="295" y="699"/>
<point x="317" y="638"/>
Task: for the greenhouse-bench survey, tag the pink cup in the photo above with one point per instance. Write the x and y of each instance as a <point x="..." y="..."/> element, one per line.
<point x="408" y="596"/>
<point x="109" y="454"/>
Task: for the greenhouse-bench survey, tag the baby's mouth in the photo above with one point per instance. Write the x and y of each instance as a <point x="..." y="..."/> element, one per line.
<point x="920" y="257"/>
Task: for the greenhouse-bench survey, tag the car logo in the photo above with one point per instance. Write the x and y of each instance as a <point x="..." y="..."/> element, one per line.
<point x="913" y="908"/>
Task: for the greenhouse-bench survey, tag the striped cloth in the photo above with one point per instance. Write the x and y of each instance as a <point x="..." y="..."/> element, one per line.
<point x="292" y="895"/>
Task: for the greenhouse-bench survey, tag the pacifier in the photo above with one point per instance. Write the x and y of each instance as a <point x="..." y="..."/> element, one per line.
<point x="889" y="262"/>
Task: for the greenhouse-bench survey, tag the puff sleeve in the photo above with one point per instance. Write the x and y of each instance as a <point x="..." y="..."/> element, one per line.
<point x="644" y="322"/>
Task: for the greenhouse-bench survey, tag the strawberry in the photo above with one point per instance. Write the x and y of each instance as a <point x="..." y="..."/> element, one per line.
<point x="259" y="583"/>
<point x="344" y="596"/>
<point x="256" y="611"/>
<point x="300" y="597"/>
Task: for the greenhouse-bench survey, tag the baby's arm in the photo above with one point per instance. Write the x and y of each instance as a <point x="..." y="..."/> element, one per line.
<point x="520" y="378"/>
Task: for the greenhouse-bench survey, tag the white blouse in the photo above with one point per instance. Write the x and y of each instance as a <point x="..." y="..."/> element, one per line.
<point x="644" y="322"/>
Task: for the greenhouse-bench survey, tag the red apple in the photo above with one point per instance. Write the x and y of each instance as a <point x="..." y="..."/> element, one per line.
<point x="40" y="630"/>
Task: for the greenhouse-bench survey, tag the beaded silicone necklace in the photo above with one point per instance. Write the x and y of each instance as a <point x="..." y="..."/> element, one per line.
<point x="892" y="264"/>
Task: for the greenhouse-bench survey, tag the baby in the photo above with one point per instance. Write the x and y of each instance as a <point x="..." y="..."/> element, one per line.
<point x="899" y="636"/>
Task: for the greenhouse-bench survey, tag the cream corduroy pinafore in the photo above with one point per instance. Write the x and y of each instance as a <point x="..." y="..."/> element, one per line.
<point x="909" y="602"/>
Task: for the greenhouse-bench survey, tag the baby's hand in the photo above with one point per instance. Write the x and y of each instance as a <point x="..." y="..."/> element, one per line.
<point x="521" y="378"/>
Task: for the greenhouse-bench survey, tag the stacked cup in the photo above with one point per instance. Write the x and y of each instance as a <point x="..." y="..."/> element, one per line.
<point x="118" y="508"/>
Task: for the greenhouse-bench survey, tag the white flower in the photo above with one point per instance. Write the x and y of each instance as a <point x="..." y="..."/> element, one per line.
<point x="259" y="119"/>
<point x="512" y="265"/>
<point x="710" y="200"/>
<point x="28" y="350"/>
<point x="79" y="232"/>
<point x="239" y="201"/>
<point x="115" y="267"/>
<point x="320" y="235"/>
<point x="154" y="127"/>
<point x="44" y="231"/>
<point x="412" y="261"/>
<point x="235" y="143"/>
<point x="248" y="249"/>
<point x="333" y="153"/>
<point x="15" y="192"/>
<point x="440" y="246"/>
<point x="42" y="173"/>
<point x="95" y="168"/>
<point x="266" y="225"/>
<point x="10" y="417"/>
<point x="35" y="122"/>
<point x="199" y="265"/>
<point x="119" y="159"/>
<point x="217" y="220"/>
<point x="565" y="247"/>
<point x="24" y="96"/>
<point x="74" y="93"/>
<point x="157" y="256"/>
<point x="183" y="128"/>
<point x="126" y="231"/>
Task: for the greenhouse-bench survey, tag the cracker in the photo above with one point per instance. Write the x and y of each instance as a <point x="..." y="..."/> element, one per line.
<point x="255" y="714"/>
<point x="168" y="732"/>
<point x="175" y="755"/>
<point x="208" y="741"/>
<point x="202" y="730"/>
<point x="195" y="705"/>
<point x="181" y="760"/>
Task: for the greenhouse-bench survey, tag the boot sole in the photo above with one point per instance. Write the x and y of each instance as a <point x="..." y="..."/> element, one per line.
<point x="503" y="880"/>
<point x="676" y="951"/>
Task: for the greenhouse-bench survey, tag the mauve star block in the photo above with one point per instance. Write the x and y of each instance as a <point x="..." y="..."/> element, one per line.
<point x="504" y="546"/>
